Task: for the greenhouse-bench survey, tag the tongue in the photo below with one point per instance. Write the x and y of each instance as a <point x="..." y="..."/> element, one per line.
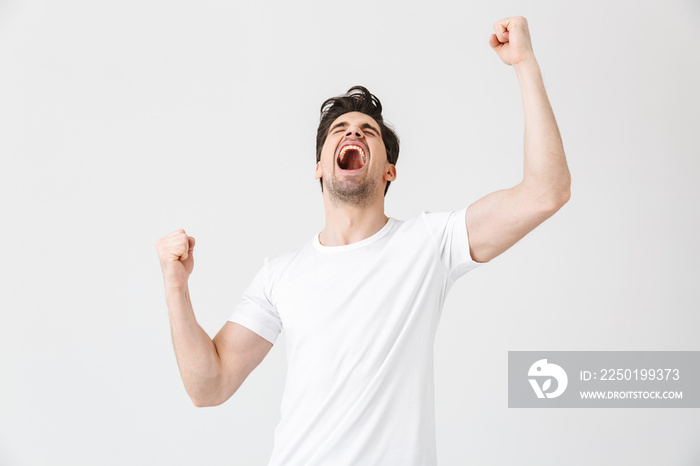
<point x="351" y="160"/>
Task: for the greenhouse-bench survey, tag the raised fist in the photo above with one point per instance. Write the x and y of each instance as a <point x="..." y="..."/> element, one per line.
<point x="176" y="259"/>
<point x="512" y="40"/>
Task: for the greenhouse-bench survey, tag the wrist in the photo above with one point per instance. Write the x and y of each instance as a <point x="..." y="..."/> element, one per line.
<point x="526" y="65"/>
<point x="176" y="291"/>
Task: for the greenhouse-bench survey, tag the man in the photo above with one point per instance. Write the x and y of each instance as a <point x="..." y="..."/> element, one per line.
<point x="360" y="302"/>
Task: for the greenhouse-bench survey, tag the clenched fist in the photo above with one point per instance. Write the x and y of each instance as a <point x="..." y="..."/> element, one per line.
<point x="176" y="259"/>
<point x="512" y="40"/>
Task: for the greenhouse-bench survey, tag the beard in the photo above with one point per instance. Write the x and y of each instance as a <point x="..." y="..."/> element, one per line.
<point x="350" y="192"/>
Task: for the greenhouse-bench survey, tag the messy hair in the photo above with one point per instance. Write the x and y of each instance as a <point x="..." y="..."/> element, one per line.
<point x="364" y="102"/>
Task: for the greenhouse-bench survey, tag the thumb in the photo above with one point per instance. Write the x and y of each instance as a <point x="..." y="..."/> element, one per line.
<point x="495" y="43"/>
<point x="502" y="31"/>
<point x="190" y="249"/>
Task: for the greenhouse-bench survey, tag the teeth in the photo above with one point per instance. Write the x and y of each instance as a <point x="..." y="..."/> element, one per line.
<point x="351" y="146"/>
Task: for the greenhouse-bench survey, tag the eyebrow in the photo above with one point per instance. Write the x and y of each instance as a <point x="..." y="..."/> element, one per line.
<point x="345" y="123"/>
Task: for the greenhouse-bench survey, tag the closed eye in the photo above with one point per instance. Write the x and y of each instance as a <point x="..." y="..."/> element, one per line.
<point x="366" y="131"/>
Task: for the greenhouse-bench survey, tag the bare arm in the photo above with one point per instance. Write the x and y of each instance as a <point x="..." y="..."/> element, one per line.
<point x="241" y="351"/>
<point x="197" y="357"/>
<point x="500" y="219"/>
<point x="212" y="370"/>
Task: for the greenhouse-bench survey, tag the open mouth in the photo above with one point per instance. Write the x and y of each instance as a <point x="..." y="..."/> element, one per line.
<point x="351" y="157"/>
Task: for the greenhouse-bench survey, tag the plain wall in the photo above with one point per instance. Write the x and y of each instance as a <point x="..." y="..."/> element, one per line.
<point x="121" y="122"/>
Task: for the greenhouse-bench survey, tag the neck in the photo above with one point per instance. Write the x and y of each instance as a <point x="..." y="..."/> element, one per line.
<point x="347" y="224"/>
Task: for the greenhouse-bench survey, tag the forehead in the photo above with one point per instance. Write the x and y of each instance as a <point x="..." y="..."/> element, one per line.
<point x="356" y="118"/>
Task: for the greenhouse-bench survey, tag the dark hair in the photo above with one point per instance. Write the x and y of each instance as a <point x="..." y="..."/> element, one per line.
<point x="363" y="102"/>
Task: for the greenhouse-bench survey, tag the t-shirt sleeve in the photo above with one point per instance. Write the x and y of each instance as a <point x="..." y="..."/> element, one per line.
<point x="256" y="311"/>
<point x="449" y="233"/>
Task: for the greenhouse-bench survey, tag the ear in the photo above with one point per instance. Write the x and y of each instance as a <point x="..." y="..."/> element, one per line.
<point x="318" y="173"/>
<point x="390" y="173"/>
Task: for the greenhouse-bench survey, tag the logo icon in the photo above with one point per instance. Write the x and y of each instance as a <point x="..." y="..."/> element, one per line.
<point x="547" y="371"/>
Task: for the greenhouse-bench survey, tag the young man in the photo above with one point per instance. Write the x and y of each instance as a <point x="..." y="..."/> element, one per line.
<point x="360" y="301"/>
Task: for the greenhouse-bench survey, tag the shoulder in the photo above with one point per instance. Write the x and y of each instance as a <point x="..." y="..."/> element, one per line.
<point x="437" y="223"/>
<point x="411" y="223"/>
<point x="432" y="223"/>
<point x="441" y="218"/>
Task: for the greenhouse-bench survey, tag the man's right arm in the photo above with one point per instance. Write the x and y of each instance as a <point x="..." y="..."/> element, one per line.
<point x="212" y="370"/>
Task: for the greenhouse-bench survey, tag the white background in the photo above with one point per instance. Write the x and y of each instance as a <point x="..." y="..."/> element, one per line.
<point x="121" y="121"/>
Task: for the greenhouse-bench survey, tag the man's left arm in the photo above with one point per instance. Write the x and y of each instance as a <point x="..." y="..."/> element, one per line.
<point x="499" y="220"/>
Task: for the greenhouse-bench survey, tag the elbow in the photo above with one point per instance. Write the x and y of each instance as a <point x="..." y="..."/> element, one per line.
<point x="566" y="189"/>
<point x="561" y="195"/>
<point x="201" y="403"/>
<point x="198" y="400"/>
<point x="550" y="196"/>
<point x="206" y="391"/>
<point x="565" y="195"/>
<point x="557" y="202"/>
<point x="210" y="401"/>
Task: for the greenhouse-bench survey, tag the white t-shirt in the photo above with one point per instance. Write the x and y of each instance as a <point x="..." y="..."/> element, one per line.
<point x="360" y="322"/>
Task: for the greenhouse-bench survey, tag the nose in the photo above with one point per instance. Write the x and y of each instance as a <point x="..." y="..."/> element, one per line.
<point x="354" y="130"/>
